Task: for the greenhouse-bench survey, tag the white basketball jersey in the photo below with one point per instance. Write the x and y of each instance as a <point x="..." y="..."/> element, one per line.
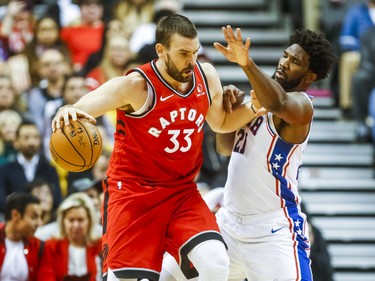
<point x="263" y="170"/>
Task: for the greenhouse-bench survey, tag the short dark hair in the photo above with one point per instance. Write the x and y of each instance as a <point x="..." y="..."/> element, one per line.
<point x="71" y="76"/>
<point x="25" y="122"/>
<point x="175" y="23"/>
<point x="322" y="56"/>
<point x="18" y="201"/>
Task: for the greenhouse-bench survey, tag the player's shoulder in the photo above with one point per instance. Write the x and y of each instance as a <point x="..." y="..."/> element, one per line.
<point x="211" y="73"/>
<point x="208" y="68"/>
<point x="301" y="95"/>
<point x="307" y="97"/>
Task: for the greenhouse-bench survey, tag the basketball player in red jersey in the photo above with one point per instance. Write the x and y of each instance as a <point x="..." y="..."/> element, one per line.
<point x="151" y="202"/>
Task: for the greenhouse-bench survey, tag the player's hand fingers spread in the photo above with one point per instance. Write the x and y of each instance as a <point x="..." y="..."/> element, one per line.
<point x="220" y="48"/>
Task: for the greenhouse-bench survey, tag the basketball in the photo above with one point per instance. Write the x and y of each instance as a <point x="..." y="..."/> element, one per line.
<point x="76" y="147"/>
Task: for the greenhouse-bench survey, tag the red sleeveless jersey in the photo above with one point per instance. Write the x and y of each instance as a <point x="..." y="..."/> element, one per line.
<point x="163" y="145"/>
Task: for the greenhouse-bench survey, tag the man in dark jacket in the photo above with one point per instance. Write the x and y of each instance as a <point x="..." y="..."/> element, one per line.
<point x="29" y="164"/>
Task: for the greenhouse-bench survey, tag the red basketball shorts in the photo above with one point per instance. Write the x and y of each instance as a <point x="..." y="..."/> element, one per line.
<point x="140" y="223"/>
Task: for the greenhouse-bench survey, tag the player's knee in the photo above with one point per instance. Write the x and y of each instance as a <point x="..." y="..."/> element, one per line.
<point x="210" y="255"/>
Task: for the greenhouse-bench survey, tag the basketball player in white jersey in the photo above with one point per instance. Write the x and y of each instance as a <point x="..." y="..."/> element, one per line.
<point x="261" y="220"/>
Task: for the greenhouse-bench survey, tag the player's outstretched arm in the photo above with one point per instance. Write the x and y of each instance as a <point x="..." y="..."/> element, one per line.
<point x="294" y="109"/>
<point x="270" y="93"/>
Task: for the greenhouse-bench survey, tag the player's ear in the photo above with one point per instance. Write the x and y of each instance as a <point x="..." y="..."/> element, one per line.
<point x="310" y="77"/>
<point x="15" y="215"/>
<point x="159" y="48"/>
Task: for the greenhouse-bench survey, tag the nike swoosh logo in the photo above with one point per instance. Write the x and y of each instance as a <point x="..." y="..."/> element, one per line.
<point x="276" y="230"/>
<point x="165" y="98"/>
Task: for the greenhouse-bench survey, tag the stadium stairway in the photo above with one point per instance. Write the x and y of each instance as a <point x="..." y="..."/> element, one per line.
<point x="337" y="180"/>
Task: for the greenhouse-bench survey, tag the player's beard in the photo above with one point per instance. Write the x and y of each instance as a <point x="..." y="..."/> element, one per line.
<point x="175" y="73"/>
<point x="286" y="84"/>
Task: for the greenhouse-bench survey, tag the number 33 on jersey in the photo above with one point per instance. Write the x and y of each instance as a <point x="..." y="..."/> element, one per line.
<point x="166" y="133"/>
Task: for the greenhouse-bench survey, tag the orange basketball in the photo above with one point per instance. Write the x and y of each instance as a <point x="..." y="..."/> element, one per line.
<point x="76" y="147"/>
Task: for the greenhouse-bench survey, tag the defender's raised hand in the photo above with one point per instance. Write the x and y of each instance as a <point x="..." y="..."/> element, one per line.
<point x="235" y="51"/>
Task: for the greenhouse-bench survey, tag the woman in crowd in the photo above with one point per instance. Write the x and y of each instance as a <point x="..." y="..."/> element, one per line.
<point x="76" y="250"/>
<point x="9" y="122"/>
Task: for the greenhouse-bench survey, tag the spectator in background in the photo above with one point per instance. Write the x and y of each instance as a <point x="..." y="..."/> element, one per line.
<point x="46" y="36"/>
<point x="9" y="122"/>
<point x="43" y="190"/>
<point x="85" y="37"/>
<point x="65" y="12"/>
<point x="22" y="256"/>
<point x="116" y="61"/>
<point x="4" y="67"/>
<point x="359" y="18"/>
<point x="143" y="39"/>
<point x="29" y="164"/>
<point x="93" y="188"/>
<point x="53" y="229"/>
<point x="76" y="249"/>
<point x="113" y="27"/>
<point x="133" y="13"/>
<point x="363" y="83"/>
<point x="52" y="71"/>
<point x="16" y="32"/>
<point x="16" y="29"/>
<point x="144" y="34"/>
<point x="9" y="97"/>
